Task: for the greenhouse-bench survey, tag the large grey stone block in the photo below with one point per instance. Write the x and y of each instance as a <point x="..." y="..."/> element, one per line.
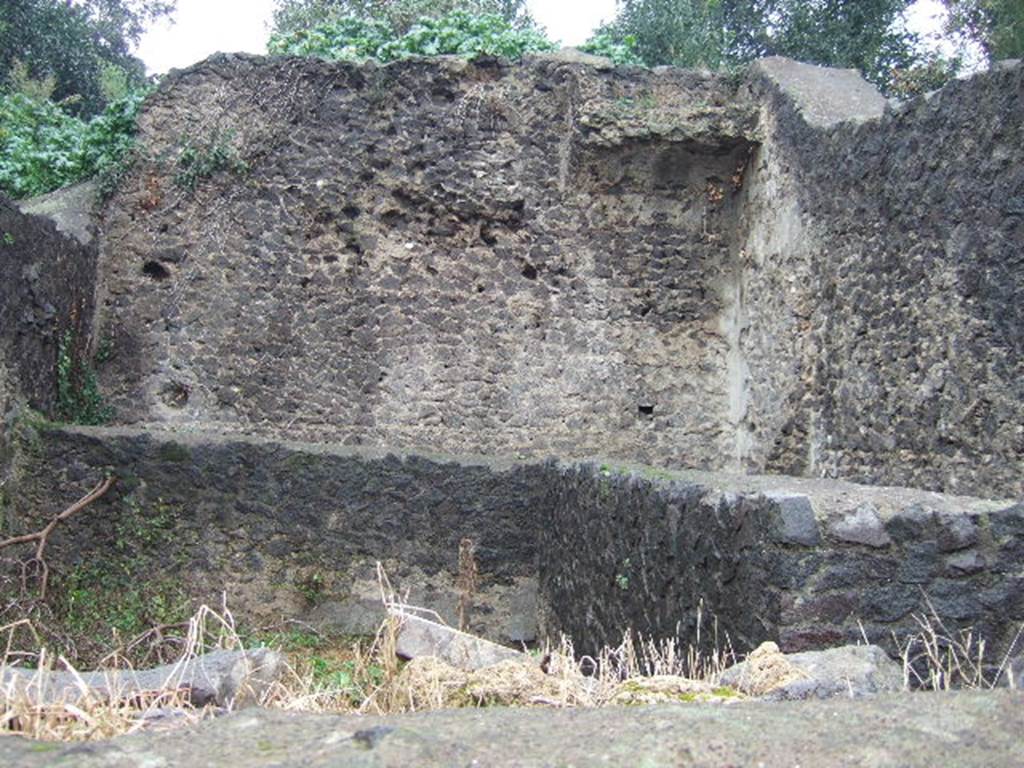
<point x="418" y="637"/>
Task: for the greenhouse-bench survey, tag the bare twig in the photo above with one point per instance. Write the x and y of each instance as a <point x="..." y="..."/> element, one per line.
<point x="467" y="580"/>
<point x="42" y="536"/>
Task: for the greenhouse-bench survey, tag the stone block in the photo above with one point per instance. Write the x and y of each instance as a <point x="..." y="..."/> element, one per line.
<point x="222" y="678"/>
<point x="418" y="637"/>
<point x="852" y="671"/>
<point x="912" y="523"/>
<point x="860" y="526"/>
<point x="854" y="569"/>
<point x="920" y="563"/>
<point x="828" y="608"/>
<point x="1008" y="522"/>
<point x="797" y="523"/>
<point x="956" y="531"/>
<point x="823" y="96"/>
<point x="965" y="563"/>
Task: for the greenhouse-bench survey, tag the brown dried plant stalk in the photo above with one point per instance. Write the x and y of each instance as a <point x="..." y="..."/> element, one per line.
<point x="41" y="537"/>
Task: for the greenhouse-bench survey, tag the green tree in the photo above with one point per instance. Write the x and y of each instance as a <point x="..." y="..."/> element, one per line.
<point x="869" y="35"/>
<point x="399" y="15"/>
<point x="84" y="45"/>
<point x="685" y="33"/>
<point x="996" y="26"/>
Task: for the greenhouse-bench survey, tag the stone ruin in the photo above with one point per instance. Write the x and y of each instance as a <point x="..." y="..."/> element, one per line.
<point x="747" y="313"/>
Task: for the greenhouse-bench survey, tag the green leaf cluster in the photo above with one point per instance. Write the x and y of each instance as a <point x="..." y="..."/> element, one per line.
<point x="78" y="394"/>
<point x="457" y="33"/>
<point x="398" y="15"/>
<point x="622" y="51"/>
<point x="994" y="26"/>
<point x="202" y="158"/>
<point x="869" y="35"/>
<point x="43" y="148"/>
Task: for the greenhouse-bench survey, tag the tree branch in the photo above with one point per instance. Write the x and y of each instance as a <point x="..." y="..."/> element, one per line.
<point x="42" y="536"/>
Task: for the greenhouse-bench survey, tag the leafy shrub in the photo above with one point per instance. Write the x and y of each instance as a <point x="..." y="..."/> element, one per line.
<point x="344" y="39"/>
<point x="457" y="33"/>
<point x="42" y="148"/>
<point x="622" y="51"/>
<point x="461" y="34"/>
<point x="399" y="15"/>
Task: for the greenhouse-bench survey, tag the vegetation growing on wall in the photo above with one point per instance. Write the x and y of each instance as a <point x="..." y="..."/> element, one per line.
<point x="78" y="396"/>
<point x="458" y="33"/>
<point x="398" y="16"/>
<point x="201" y="158"/>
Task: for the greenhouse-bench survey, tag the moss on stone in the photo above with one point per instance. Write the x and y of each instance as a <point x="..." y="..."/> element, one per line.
<point x="174" y="452"/>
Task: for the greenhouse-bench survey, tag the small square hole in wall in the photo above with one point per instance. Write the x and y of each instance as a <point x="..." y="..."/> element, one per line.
<point x="646" y="411"/>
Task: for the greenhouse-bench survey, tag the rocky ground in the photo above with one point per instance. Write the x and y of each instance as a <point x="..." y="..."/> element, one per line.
<point x="962" y="729"/>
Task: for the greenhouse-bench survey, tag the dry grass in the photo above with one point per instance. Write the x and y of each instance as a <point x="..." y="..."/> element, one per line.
<point x="369" y="678"/>
<point x="555" y="676"/>
<point x="939" y="659"/>
<point x="86" y="714"/>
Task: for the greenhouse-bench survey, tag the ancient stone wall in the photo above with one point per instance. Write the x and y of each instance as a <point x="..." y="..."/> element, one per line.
<point x="773" y="273"/>
<point x="922" y="349"/>
<point x="46" y="298"/>
<point x="283" y="531"/>
<point x="463" y="257"/>
<point x="895" y="253"/>
<point x="291" y="531"/>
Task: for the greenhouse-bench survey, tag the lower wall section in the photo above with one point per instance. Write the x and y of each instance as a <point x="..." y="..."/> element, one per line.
<point x="285" y="532"/>
<point x="294" y="532"/>
<point x="624" y="551"/>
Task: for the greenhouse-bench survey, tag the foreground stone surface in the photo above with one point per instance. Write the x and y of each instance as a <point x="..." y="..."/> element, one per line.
<point x="965" y="729"/>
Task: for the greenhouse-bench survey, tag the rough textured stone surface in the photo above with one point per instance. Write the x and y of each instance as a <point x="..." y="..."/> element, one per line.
<point x="464" y="257"/>
<point x="852" y="671"/>
<point x="419" y="637"/>
<point x="860" y="526"/>
<point x="885" y="290"/>
<point x="73" y="210"/>
<point x="294" y="531"/>
<point x="46" y="295"/>
<point x="799" y="525"/>
<point x="823" y="96"/>
<point x="771" y="273"/>
<point x="777" y="274"/>
<point x="222" y="678"/>
<point x="972" y="730"/>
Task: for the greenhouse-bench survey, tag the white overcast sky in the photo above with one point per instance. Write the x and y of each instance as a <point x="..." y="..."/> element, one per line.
<point x="203" y="27"/>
